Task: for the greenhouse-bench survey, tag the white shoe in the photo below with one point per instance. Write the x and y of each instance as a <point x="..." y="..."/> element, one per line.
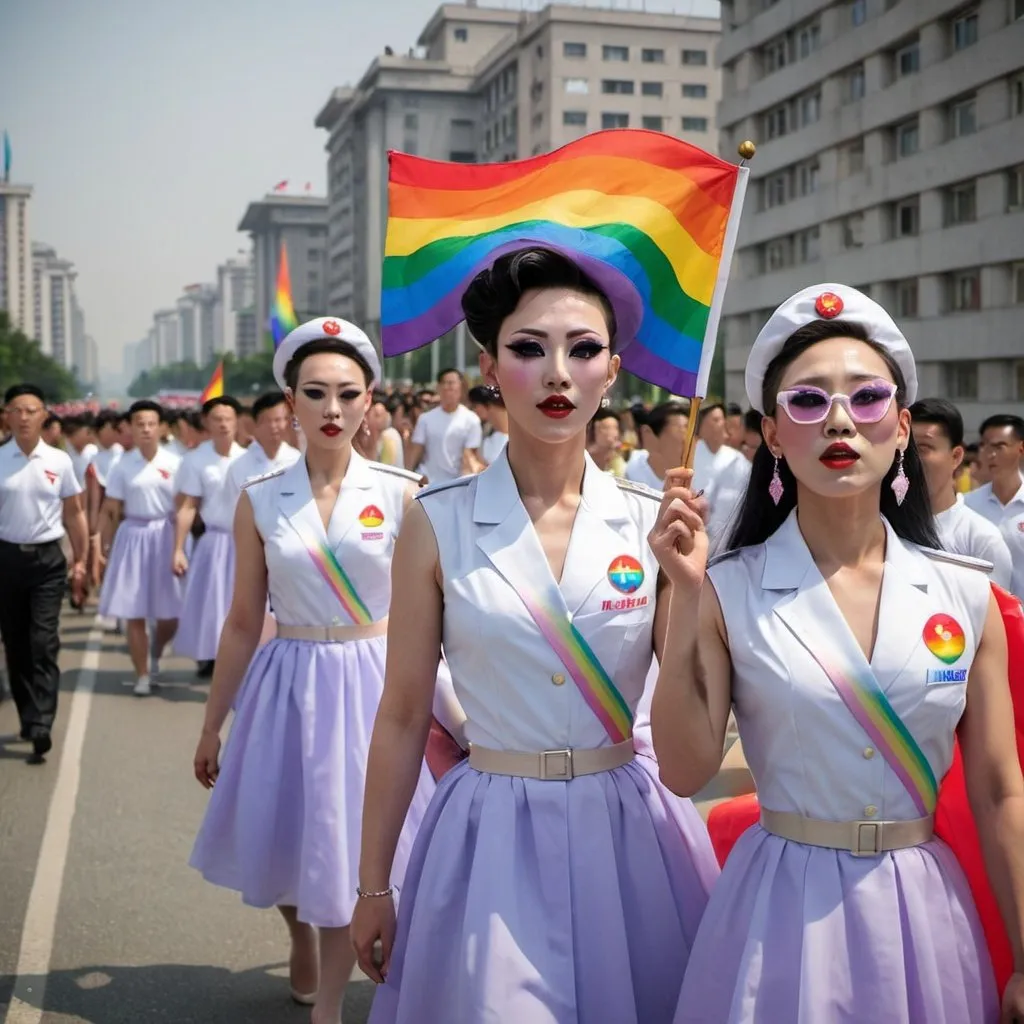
<point x="143" y="687"/>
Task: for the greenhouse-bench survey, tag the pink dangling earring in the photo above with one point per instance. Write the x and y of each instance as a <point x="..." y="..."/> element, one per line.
<point x="900" y="484"/>
<point x="295" y="423"/>
<point x="775" y="488"/>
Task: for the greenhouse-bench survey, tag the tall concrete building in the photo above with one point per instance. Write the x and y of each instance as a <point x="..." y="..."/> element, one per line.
<point x="166" y="347"/>
<point x="235" y="317"/>
<point x="16" y="255"/>
<point x="57" y="320"/>
<point x="486" y="84"/>
<point x="300" y="223"/>
<point x="890" y="157"/>
<point x="197" y="323"/>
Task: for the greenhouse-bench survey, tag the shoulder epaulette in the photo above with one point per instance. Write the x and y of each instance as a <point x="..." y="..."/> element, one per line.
<point x="637" y="488"/>
<point x="444" y="485"/>
<point x="266" y="476"/>
<point x="405" y="474"/>
<point x="967" y="561"/>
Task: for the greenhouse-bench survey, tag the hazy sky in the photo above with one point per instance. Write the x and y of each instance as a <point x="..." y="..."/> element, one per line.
<point x="146" y="128"/>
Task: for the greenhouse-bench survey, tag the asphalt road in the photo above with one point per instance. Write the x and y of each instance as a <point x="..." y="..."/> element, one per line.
<point x="106" y="919"/>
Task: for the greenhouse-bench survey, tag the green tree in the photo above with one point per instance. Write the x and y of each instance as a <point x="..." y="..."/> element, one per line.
<point x="22" y="361"/>
<point x="244" y="378"/>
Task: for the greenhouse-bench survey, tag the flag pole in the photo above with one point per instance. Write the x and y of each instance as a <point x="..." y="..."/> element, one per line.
<point x="746" y="151"/>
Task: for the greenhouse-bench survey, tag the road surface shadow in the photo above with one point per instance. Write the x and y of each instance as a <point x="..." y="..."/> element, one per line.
<point x="174" y="994"/>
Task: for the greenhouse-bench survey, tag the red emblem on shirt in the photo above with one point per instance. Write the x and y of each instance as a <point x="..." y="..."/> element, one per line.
<point x="828" y="305"/>
<point x="332" y="327"/>
<point x="50" y="475"/>
<point x="1020" y="525"/>
<point x="165" y="473"/>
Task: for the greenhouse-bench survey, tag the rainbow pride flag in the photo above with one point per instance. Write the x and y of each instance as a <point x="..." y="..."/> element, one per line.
<point x="650" y="218"/>
<point x="282" y="314"/>
<point x="215" y="388"/>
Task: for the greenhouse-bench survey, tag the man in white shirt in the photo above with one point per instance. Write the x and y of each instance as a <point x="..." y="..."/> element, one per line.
<point x="96" y="473"/>
<point x="720" y="471"/>
<point x="939" y="437"/>
<point x="40" y="499"/>
<point x="268" y="451"/>
<point x="79" y="445"/>
<point x="662" y="434"/>
<point x="446" y="441"/>
<point x="487" y="403"/>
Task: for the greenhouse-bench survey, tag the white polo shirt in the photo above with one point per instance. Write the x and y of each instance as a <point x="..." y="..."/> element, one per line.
<point x="103" y="461"/>
<point x="32" y="492"/>
<point x="255" y="462"/>
<point x="445" y="436"/>
<point x="638" y="469"/>
<point x="1012" y="529"/>
<point x="80" y="460"/>
<point x="147" y="489"/>
<point x="965" y="532"/>
<point x="723" y="476"/>
<point x="987" y="504"/>
<point x="204" y="475"/>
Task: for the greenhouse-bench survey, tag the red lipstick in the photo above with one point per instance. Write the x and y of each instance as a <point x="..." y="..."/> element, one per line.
<point x="838" y="456"/>
<point x="557" y="407"/>
<point x="330" y="429"/>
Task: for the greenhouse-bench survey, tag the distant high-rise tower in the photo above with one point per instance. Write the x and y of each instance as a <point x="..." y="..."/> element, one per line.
<point x="16" y="255"/>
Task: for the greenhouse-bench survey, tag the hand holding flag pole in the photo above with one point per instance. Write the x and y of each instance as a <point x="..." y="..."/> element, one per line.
<point x="746" y="151"/>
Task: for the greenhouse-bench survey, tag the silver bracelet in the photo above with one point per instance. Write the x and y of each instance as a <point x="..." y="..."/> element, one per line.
<point x="363" y="894"/>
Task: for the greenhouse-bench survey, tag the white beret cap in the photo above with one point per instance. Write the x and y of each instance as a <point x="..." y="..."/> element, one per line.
<point x="329" y="328"/>
<point x="827" y="302"/>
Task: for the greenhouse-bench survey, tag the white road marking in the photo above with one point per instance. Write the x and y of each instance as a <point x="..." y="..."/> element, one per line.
<point x="44" y="899"/>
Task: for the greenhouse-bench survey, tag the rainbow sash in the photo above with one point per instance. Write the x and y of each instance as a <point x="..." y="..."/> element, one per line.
<point x="867" y="703"/>
<point x="329" y="567"/>
<point x="581" y="663"/>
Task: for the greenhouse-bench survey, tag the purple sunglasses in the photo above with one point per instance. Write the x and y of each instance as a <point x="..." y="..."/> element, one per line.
<point x="807" y="405"/>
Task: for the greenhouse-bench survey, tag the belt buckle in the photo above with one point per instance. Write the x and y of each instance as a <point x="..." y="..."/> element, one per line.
<point x="27" y="549"/>
<point x="867" y="839"/>
<point x="556" y="765"/>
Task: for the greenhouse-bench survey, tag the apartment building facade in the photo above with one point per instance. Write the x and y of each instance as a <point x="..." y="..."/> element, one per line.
<point x="890" y="157"/>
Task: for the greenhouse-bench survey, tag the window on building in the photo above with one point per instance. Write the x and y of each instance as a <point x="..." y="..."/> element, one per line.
<point x="906" y="139"/>
<point x="1017" y="12"/>
<point x="615" y="52"/>
<point x="652" y="56"/>
<point x="461" y="35"/>
<point x="653" y="122"/>
<point x="853" y="84"/>
<point x="961" y="381"/>
<point x="651" y="88"/>
<point x="775" y="191"/>
<point x="906" y="298"/>
<point x="695" y="124"/>
<point x="614" y="120"/>
<point x="774" y="55"/>
<point x="906" y="220"/>
<point x="412" y="122"/>
<point x="960" y="204"/>
<point x="462" y="156"/>
<point x="695" y="91"/>
<point x="962" y="118"/>
<point x="574" y="49"/>
<point x="810" y="108"/>
<point x="615" y="86"/>
<point x="576" y="118"/>
<point x="776" y="123"/>
<point x="1017" y="286"/>
<point x="907" y="59"/>
<point x="1015" y="188"/>
<point x="858" y="12"/>
<point x="964" y="291"/>
<point x="853" y="231"/>
<point x="1017" y="95"/>
<point x="851" y="158"/>
<point x="965" y="30"/>
<point x="579" y="86"/>
<point x="809" y="244"/>
<point x="1018" y="374"/>
<point x="695" y="58"/>
<point x="808" y="39"/>
<point x="538" y="119"/>
<point x="778" y="254"/>
<point x="807" y="178"/>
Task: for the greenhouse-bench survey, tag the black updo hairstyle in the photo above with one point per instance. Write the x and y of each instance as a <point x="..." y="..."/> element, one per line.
<point x="318" y="345"/>
<point x="494" y="294"/>
<point x="760" y="517"/>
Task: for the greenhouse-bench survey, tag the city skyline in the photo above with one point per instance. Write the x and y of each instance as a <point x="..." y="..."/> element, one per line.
<point x="145" y="145"/>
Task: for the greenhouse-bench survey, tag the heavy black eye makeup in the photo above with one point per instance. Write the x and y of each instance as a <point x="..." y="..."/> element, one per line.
<point x="527" y="348"/>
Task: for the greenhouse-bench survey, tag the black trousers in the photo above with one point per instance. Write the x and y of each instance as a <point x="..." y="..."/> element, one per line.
<point x="33" y="579"/>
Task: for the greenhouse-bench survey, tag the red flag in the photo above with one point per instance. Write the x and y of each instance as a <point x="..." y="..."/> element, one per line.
<point x="281" y="185"/>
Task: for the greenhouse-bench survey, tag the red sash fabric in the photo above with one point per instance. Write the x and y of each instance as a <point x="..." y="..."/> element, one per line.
<point x="442" y="753"/>
<point x="954" y="822"/>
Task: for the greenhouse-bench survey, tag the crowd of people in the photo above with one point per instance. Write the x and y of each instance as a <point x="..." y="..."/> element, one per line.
<point x="480" y="646"/>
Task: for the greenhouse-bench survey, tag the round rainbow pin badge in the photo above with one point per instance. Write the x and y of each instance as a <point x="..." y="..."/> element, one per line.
<point x="371" y="516"/>
<point x="944" y="637"/>
<point x="626" y="574"/>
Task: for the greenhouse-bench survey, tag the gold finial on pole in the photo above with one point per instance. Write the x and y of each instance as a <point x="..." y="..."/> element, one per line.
<point x="746" y="150"/>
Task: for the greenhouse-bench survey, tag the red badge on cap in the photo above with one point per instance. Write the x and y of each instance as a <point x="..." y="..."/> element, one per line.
<point x="332" y="327"/>
<point x="828" y="305"/>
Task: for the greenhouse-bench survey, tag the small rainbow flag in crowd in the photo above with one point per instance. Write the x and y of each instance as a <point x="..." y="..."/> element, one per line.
<point x="215" y="388"/>
<point x="650" y="218"/>
<point x="282" y="315"/>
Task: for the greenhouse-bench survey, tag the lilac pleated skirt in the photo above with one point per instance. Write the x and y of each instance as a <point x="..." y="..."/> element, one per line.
<point x="209" y="583"/>
<point x="797" y="934"/>
<point x="284" y="821"/>
<point x="138" y="583"/>
<point x="540" y="902"/>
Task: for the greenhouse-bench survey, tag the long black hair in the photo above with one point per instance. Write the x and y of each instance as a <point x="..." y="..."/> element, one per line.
<point x="760" y="517"/>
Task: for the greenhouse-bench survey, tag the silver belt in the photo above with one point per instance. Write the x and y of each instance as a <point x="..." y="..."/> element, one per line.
<point x="861" y="838"/>
<point x="551" y="765"/>
<point x="332" y="634"/>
